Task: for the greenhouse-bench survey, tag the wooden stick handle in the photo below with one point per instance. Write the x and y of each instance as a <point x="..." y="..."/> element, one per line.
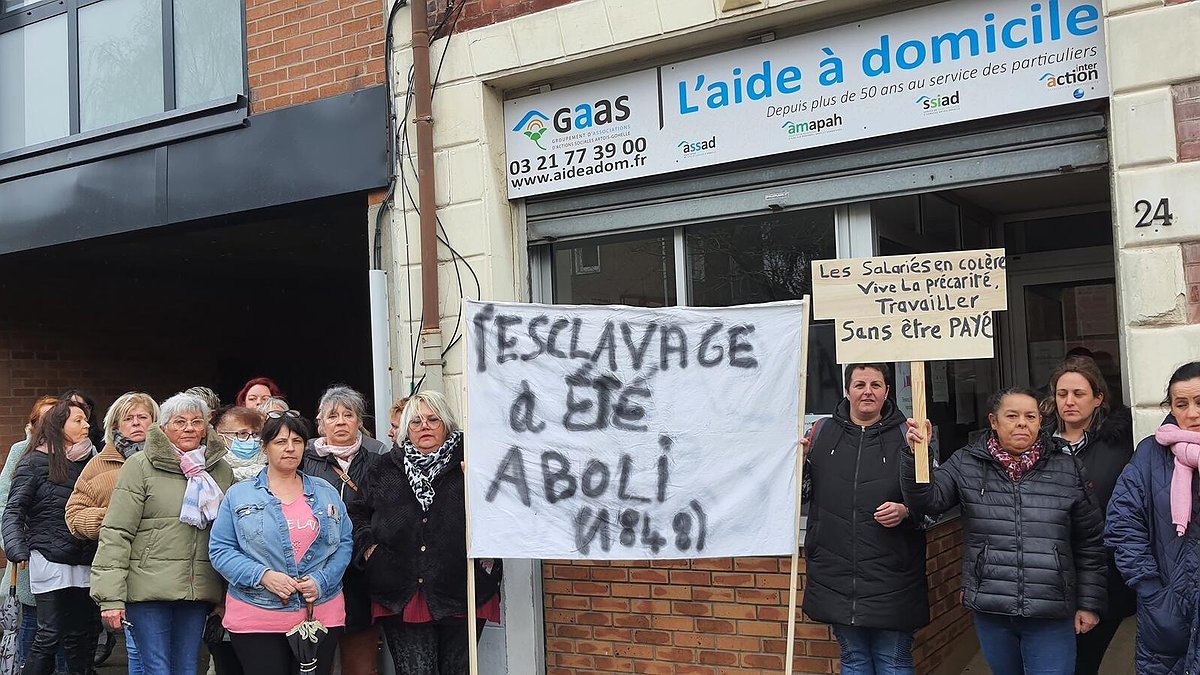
<point x="794" y="580"/>
<point x="921" y="451"/>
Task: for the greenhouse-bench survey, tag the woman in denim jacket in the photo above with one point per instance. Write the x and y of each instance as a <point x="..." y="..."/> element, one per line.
<point x="282" y="540"/>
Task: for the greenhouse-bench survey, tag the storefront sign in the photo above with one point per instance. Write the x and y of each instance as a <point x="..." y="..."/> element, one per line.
<point x="927" y="307"/>
<point x="945" y="63"/>
<point x="624" y="433"/>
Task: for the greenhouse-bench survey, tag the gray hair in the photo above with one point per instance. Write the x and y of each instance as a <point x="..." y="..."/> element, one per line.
<point x="341" y="395"/>
<point x="207" y="395"/>
<point x="437" y="404"/>
<point x="125" y="405"/>
<point x="265" y="406"/>
<point x="180" y="404"/>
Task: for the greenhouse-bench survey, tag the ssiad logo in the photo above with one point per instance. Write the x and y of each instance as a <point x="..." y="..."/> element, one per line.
<point x="1086" y="72"/>
<point x="579" y="117"/>
<point x="938" y="103"/>
<point x="702" y="147"/>
<point x="810" y="127"/>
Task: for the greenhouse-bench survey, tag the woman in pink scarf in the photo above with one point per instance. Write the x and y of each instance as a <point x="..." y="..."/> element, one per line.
<point x="1154" y="533"/>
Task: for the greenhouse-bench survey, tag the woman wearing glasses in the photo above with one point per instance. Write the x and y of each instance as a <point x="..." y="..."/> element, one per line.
<point x="152" y="571"/>
<point x="342" y="456"/>
<point x="282" y="540"/>
<point x="410" y="539"/>
<point x="239" y="427"/>
<point x="125" y="427"/>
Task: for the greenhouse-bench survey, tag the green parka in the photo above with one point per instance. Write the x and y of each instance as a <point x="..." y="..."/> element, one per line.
<point x="146" y="553"/>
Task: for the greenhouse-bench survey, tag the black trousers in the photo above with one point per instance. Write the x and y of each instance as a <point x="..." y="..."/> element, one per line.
<point x="1090" y="647"/>
<point x="435" y="648"/>
<point x="67" y="618"/>
<point x="225" y="658"/>
<point x="270" y="653"/>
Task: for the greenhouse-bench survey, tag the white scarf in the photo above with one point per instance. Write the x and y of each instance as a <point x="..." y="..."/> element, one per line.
<point x="344" y="454"/>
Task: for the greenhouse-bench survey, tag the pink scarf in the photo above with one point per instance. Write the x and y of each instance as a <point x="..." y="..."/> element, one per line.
<point x="1185" y="445"/>
<point x="202" y="496"/>
<point x="344" y="453"/>
<point x="75" y="452"/>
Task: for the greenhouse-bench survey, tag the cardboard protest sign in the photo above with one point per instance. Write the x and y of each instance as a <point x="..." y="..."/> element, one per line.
<point x="927" y="307"/>
<point x="625" y="433"/>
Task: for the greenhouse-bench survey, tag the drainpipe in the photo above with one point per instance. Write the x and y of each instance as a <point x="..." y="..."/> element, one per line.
<point x="431" y="324"/>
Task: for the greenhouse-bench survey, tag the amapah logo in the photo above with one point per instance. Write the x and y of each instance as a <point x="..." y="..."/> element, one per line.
<point x="533" y="126"/>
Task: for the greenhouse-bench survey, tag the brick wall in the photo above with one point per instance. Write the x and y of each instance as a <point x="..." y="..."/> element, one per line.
<point x="713" y="617"/>
<point x="299" y="50"/>
<point x="1187" y="120"/>
<point x="476" y="13"/>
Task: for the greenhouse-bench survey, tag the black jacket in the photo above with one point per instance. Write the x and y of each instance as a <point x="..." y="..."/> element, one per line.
<point x="1104" y="456"/>
<point x="416" y="549"/>
<point x="861" y="573"/>
<point x="354" y="585"/>
<point x="1031" y="548"/>
<point x="35" y="517"/>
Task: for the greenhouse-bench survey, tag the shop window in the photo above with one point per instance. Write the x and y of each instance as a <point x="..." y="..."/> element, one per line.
<point x="136" y="59"/>
<point x="638" y="270"/>
<point x="33" y="83"/>
<point x="120" y="62"/>
<point x="766" y="259"/>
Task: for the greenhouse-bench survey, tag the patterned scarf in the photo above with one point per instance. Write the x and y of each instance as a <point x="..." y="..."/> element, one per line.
<point x="1019" y="465"/>
<point x="422" y="468"/>
<point x="126" y="447"/>
<point x="202" y="497"/>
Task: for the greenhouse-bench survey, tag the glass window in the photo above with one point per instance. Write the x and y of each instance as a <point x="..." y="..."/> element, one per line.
<point x="939" y="220"/>
<point x="120" y="62"/>
<point x="764" y="259"/>
<point x="208" y="50"/>
<point x="636" y="270"/>
<point x="34" y="106"/>
<point x="10" y="5"/>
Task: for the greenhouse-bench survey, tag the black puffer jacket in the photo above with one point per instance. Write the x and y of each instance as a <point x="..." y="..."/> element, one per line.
<point x="35" y="517"/>
<point x="861" y="573"/>
<point x="1104" y="456"/>
<point x="1031" y="548"/>
<point x="415" y="549"/>
<point x="354" y="585"/>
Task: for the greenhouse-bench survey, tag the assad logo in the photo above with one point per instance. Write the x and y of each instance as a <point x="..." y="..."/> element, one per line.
<point x="533" y="126"/>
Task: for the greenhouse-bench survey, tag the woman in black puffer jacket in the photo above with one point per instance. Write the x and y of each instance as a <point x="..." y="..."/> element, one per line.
<point x="35" y="531"/>
<point x="1081" y="422"/>
<point x="1033" y="553"/>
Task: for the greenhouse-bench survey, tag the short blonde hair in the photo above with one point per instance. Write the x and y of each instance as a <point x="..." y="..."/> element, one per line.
<point x="436" y="402"/>
<point x="122" y="407"/>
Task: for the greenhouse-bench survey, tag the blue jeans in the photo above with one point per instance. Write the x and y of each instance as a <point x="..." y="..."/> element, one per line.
<point x="167" y="634"/>
<point x="28" y="629"/>
<point x="1014" y="645"/>
<point x="131" y="651"/>
<point x="874" y="651"/>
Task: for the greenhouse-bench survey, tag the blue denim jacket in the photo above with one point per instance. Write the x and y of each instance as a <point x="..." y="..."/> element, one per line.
<point x="250" y="536"/>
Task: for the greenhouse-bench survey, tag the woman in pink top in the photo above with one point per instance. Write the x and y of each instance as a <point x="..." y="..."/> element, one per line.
<point x="281" y="540"/>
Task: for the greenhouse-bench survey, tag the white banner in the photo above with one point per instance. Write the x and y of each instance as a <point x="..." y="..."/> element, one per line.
<point x="623" y="433"/>
<point x="941" y="64"/>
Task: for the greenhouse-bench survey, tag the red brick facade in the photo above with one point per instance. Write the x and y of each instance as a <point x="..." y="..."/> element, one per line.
<point x="476" y="13"/>
<point x="299" y="51"/>
<point x="1187" y="120"/>
<point x="714" y="617"/>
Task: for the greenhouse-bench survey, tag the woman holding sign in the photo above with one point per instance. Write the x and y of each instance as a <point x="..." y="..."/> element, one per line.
<point x="1033" y="553"/>
<point x="410" y="539"/>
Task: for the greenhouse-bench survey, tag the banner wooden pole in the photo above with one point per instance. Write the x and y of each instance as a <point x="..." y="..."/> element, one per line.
<point x="921" y="451"/>
<point x="472" y="642"/>
<point x="792" y="583"/>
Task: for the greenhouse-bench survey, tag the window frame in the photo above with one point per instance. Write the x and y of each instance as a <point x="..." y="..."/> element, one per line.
<point x="25" y="16"/>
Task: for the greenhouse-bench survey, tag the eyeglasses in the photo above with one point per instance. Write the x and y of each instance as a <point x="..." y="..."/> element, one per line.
<point x="179" y="424"/>
<point x="242" y="436"/>
<point x="276" y="414"/>
<point x="416" y="422"/>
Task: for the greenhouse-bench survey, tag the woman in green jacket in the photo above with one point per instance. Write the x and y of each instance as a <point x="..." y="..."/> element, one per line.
<point x="152" y="570"/>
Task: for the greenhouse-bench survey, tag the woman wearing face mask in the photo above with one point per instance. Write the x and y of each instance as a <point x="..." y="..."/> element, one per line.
<point x="125" y="427"/>
<point x="1083" y="423"/>
<point x="239" y="427"/>
<point x="341" y="456"/>
<point x="1154" y="531"/>
<point x="35" y="531"/>
<point x="1033" y="553"/>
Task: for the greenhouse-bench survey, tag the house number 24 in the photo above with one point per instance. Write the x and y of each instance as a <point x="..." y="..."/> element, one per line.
<point x="1150" y="215"/>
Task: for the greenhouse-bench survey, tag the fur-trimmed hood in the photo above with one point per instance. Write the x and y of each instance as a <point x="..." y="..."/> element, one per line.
<point x="162" y="455"/>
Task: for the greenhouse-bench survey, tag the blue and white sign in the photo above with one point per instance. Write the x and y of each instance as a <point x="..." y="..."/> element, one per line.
<point x="950" y="62"/>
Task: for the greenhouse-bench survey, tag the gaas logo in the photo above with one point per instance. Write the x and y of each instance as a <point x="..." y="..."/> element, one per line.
<point x="692" y="147"/>
<point x="533" y="126"/>
<point x="574" y="118"/>
<point x="939" y="102"/>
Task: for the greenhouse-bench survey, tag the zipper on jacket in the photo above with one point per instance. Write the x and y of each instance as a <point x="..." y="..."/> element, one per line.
<point x="854" y="531"/>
